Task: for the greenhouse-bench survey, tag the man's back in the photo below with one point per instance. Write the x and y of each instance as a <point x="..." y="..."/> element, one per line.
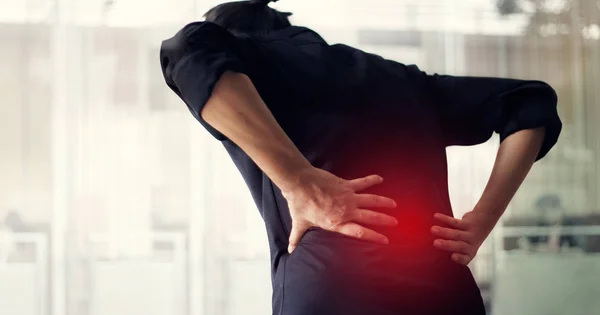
<point x="354" y="114"/>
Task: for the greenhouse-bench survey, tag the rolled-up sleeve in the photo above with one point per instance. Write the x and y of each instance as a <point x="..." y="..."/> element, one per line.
<point x="194" y="60"/>
<point x="473" y="108"/>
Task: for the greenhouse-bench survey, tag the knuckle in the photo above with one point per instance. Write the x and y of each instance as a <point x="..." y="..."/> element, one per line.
<point x="341" y="214"/>
<point x="347" y="207"/>
<point x="360" y="233"/>
<point x="348" y="191"/>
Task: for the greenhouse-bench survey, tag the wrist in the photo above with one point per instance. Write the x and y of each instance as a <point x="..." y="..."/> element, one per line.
<point x="492" y="213"/>
<point x="292" y="175"/>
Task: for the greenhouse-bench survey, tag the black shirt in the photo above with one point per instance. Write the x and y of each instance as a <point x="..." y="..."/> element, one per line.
<point x="355" y="114"/>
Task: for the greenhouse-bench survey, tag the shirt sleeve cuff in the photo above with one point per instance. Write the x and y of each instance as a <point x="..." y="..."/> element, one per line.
<point x="535" y="107"/>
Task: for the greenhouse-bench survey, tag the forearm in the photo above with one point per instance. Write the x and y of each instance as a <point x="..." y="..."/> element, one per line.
<point x="515" y="157"/>
<point x="236" y="110"/>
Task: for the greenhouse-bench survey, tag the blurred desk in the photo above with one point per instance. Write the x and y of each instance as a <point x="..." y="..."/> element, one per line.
<point x="547" y="284"/>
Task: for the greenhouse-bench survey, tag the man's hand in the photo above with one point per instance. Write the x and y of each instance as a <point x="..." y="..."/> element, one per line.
<point x="321" y="199"/>
<point x="516" y="155"/>
<point x="465" y="236"/>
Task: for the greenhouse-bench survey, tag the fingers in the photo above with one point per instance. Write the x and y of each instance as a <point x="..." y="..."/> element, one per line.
<point x="370" y="217"/>
<point x="298" y="230"/>
<point x="450" y="234"/>
<point x="461" y="258"/>
<point x="364" y="182"/>
<point x="451" y="221"/>
<point x="354" y="230"/>
<point x="455" y="239"/>
<point x="374" y="201"/>
<point x="459" y="247"/>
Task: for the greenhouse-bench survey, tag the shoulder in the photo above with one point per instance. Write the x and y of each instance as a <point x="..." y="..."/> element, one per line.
<point x="198" y="35"/>
<point x="204" y="31"/>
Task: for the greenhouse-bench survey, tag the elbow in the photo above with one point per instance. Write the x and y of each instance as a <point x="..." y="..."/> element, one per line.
<point x="547" y="119"/>
<point x="534" y="106"/>
<point x="539" y="93"/>
<point x="549" y="94"/>
<point x="535" y="103"/>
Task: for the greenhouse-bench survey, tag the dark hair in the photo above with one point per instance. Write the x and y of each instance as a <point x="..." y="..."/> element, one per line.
<point x="248" y="17"/>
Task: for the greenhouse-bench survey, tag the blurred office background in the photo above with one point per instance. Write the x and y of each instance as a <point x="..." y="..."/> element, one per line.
<point x="110" y="192"/>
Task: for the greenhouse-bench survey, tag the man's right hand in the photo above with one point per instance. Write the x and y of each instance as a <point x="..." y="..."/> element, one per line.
<point x="316" y="198"/>
<point x="321" y="199"/>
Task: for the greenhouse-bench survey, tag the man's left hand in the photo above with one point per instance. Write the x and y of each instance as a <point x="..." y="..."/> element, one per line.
<point x="463" y="237"/>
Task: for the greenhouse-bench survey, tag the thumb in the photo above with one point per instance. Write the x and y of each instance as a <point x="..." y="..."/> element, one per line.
<point x="298" y="230"/>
